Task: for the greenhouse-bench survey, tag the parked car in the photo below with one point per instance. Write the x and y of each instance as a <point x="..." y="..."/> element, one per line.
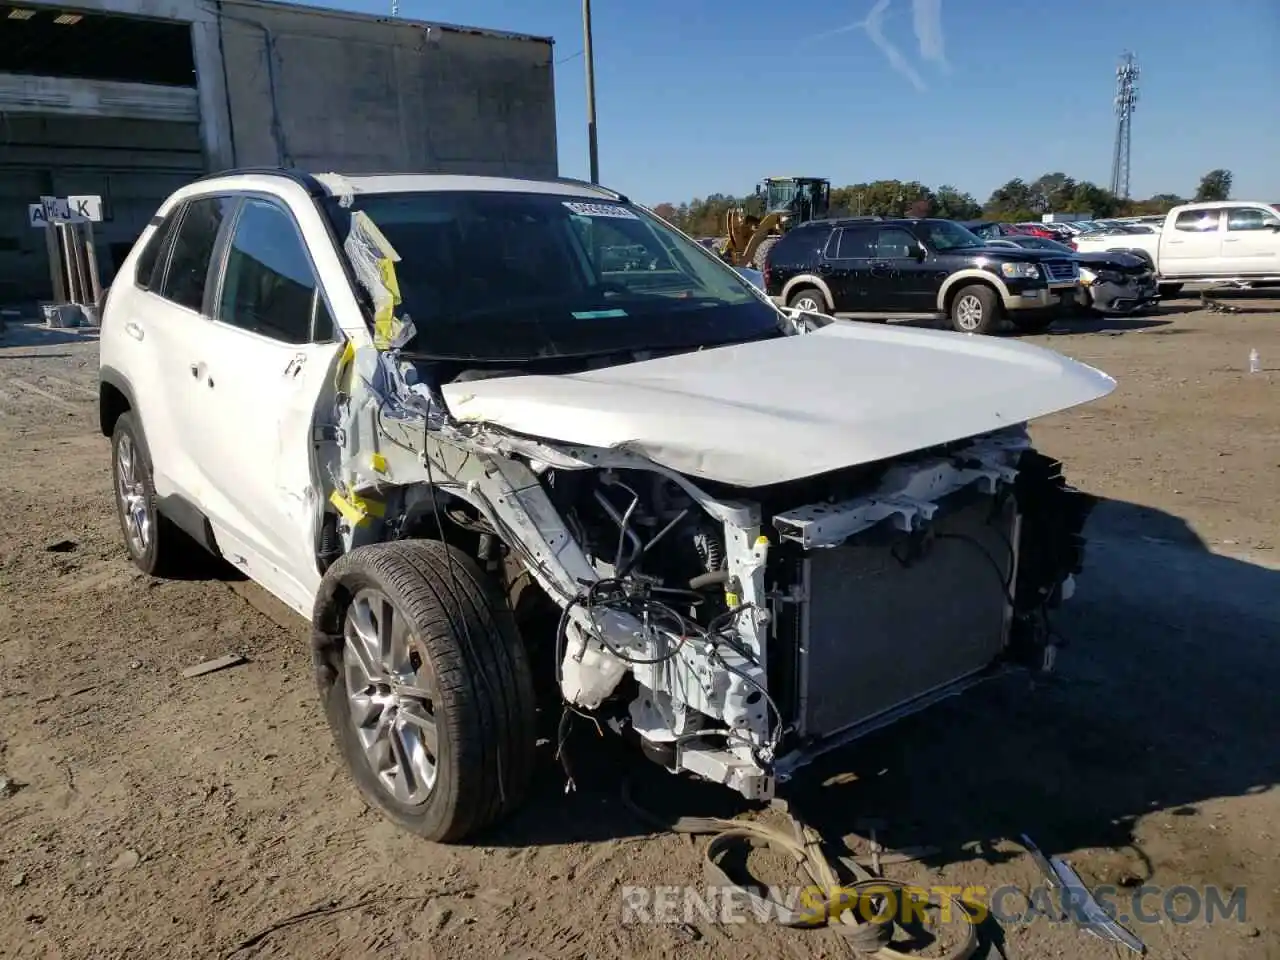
<point x="508" y="487"/>
<point x="992" y="229"/>
<point x="1234" y="240"/>
<point x="1112" y="283"/>
<point x="922" y="269"/>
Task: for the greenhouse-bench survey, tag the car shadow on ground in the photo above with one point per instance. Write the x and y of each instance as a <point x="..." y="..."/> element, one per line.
<point x="1164" y="698"/>
<point x="1076" y="324"/>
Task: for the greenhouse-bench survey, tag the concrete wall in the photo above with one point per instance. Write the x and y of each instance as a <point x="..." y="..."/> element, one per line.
<point x="132" y="164"/>
<point x="275" y="85"/>
<point x="357" y="95"/>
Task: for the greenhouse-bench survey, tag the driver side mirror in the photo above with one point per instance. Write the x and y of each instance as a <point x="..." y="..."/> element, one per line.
<point x="919" y="252"/>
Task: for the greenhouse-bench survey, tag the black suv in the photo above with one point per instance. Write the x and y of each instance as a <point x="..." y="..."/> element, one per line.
<point x="917" y="269"/>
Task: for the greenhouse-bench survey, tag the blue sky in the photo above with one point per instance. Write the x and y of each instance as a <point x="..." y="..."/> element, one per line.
<point x="703" y="96"/>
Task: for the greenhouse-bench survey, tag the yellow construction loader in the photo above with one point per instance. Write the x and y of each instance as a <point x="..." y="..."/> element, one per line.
<point x="788" y="201"/>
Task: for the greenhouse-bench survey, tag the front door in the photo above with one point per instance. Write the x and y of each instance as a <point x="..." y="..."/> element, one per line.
<point x="267" y="359"/>
<point x="1251" y="243"/>
<point x="902" y="277"/>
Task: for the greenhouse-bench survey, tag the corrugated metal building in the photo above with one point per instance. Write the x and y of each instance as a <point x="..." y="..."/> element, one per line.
<point x="129" y="99"/>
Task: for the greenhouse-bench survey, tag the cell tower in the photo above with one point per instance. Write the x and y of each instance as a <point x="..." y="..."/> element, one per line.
<point x="1126" y="100"/>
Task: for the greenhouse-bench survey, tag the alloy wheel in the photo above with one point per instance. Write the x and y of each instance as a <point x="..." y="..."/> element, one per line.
<point x="131" y="490"/>
<point x="391" y="693"/>
<point x="969" y="312"/>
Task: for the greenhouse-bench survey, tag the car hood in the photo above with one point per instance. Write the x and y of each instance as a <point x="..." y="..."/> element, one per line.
<point x="776" y="410"/>
<point x="1019" y="254"/>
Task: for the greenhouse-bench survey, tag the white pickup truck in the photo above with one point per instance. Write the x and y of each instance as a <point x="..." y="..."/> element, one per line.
<point x="1230" y="241"/>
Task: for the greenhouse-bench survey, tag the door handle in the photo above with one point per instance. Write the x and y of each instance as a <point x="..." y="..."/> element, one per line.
<point x="133" y="330"/>
<point x="1230" y="239"/>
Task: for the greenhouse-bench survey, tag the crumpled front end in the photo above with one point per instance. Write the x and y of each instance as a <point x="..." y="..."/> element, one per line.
<point x="1110" y="290"/>
<point x="735" y="631"/>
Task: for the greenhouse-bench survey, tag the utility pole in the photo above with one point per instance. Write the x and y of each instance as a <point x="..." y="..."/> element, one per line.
<point x="592" y="145"/>
<point x="1126" y="100"/>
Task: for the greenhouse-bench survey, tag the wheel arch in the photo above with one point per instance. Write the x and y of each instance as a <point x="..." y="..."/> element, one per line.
<point x="964" y="278"/>
<point x="420" y="524"/>
<point x="807" y="280"/>
<point x="115" y="396"/>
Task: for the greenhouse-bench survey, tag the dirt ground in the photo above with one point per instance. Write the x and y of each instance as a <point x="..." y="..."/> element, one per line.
<point x="152" y="816"/>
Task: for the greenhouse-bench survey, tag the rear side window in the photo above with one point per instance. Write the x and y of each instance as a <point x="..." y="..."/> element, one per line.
<point x="197" y="233"/>
<point x="1197" y="221"/>
<point x="146" y="272"/>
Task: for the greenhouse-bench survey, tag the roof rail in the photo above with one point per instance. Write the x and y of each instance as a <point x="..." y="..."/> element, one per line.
<point x="304" y="180"/>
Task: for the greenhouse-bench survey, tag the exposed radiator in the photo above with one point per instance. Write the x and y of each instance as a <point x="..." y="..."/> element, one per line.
<point x="879" y="634"/>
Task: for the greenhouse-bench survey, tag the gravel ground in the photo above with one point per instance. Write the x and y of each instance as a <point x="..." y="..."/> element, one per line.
<point x="148" y="815"/>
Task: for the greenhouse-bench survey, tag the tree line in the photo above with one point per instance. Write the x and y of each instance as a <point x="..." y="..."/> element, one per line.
<point x="1015" y="201"/>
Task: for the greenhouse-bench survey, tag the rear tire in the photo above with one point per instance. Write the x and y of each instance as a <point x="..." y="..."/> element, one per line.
<point x="976" y="309"/>
<point x="154" y="544"/>
<point x="809" y="299"/>
<point x="427" y="688"/>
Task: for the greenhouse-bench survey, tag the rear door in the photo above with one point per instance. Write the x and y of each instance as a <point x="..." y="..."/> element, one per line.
<point x="1192" y="245"/>
<point x="846" y="266"/>
<point x="268" y="356"/>
<point x="163" y="319"/>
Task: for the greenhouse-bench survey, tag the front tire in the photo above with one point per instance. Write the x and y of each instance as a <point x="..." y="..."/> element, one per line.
<point x="808" y="299"/>
<point x="427" y="688"/>
<point x="975" y="309"/>
<point x="153" y="543"/>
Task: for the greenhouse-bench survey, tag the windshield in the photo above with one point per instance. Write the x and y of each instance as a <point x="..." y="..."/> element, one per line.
<point x="946" y="235"/>
<point x="504" y="276"/>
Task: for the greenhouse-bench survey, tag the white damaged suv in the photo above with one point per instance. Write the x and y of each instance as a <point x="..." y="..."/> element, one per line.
<point x="522" y="450"/>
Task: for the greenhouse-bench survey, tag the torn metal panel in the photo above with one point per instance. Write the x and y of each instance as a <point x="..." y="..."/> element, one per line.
<point x="908" y="495"/>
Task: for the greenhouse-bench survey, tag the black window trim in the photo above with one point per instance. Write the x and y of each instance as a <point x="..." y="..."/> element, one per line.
<point x="222" y="253"/>
<point x="896" y="228"/>
<point x="163" y="238"/>
<point x="179" y="213"/>
<point x="832" y="250"/>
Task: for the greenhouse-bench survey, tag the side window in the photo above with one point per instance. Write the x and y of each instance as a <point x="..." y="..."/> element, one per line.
<point x="146" y="273"/>
<point x="1196" y="221"/>
<point x="197" y="233"/>
<point x="854" y="243"/>
<point x="270" y="287"/>
<point x="894" y="243"/>
<point x="1250" y="218"/>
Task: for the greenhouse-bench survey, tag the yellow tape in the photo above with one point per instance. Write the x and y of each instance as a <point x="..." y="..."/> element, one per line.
<point x="378" y="462"/>
<point x="344" y="365"/>
<point x="355" y="509"/>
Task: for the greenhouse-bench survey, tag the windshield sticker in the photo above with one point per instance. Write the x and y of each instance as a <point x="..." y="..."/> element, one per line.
<point x="598" y="314"/>
<point x="616" y="210"/>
